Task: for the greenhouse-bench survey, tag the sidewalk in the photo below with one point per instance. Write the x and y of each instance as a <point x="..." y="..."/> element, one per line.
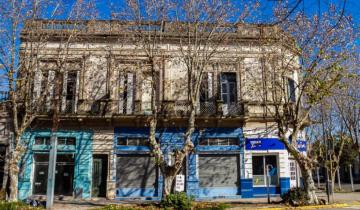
<point x="252" y="203"/>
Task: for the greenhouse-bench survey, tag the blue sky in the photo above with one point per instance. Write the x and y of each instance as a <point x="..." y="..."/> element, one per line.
<point x="352" y="7"/>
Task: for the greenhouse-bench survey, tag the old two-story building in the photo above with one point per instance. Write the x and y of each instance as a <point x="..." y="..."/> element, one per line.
<point x="105" y="106"/>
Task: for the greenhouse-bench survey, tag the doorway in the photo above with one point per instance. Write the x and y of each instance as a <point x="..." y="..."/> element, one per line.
<point x="64" y="175"/>
<point x="99" y="175"/>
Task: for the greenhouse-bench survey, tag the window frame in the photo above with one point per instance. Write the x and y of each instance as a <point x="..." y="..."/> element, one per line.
<point x="228" y="81"/>
<point x="138" y="139"/>
<point x="265" y="171"/>
<point x="291" y="90"/>
<point x="46" y="140"/>
<point x="208" y="143"/>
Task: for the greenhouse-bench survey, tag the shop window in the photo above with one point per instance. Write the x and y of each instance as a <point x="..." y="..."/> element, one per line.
<point x="133" y="141"/>
<point x="219" y="141"/>
<point x="42" y="140"/>
<point x="260" y="165"/>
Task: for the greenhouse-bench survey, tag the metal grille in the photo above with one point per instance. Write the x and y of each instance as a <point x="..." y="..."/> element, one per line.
<point x="218" y="170"/>
<point x="69" y="106"/>
<point x="181" y="108"/>
<point x="135" y="171"/>
<point x="207" y="108"/>
<point x="232" y="109"/>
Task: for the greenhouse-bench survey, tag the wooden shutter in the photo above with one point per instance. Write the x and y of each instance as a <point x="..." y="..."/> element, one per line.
<point x="121" y="93"/>
<point x="130" y="88"/>
<point x="51" y="81"/>
<point x="63" y="96"/>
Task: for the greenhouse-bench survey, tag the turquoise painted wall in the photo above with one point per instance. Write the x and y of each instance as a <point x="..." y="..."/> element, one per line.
<point x="83" y="159"/>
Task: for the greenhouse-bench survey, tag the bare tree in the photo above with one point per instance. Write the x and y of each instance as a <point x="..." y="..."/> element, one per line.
<point x="309" y="67"/>
<point x="197" y="32"/>
<point x="28" y="96"/>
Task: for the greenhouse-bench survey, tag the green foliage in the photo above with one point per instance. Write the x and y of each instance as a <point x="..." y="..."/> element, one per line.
<point x="177" y="201"/>
<point x="115" y="207"/>
<point x="295" y="197"/>
<point x="16" y="206"/>
<point x="349" y="153"/>
<point x="214" y="206"/>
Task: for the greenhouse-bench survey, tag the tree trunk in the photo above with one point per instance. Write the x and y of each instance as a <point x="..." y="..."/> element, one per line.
<point x="309" y="184"/>
<point x="6" y="174"/>
<point x="168" y="185"/>
<point x="13" y="174"/>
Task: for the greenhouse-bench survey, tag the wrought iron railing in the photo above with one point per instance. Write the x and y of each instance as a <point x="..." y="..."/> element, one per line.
<point x="180" y="108"/>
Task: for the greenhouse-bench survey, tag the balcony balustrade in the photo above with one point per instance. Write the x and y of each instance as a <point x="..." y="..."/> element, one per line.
<point x="177" y="109"/>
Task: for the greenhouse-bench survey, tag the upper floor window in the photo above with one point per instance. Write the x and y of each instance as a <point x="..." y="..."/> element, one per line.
<point x="291" y="90"/>
<point x="127" y="93"/>
<point x="71" y="85"/>
<point x="228" y="87"/>
<point x="218" y="141"/>
<point x="207" y="87"/>
<point x="70" y="89"/>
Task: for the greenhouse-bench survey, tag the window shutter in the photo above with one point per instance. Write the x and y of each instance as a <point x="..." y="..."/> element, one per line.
<point x="37" y="84"/>
<point x="51" y="80"/>
<point x="210" y="81"/>
<point x="121" y="93"/>
<point x="130" y="93"/>
<point x="63" y="96"/>
<point x="77" y="88"/>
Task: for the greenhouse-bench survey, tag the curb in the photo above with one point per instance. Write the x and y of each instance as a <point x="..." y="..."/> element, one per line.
<point x="310" y="207"/>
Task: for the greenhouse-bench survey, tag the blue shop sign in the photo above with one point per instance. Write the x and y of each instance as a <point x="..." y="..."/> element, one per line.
<point x="301" y="145"/>
<point x="270" y="144"/>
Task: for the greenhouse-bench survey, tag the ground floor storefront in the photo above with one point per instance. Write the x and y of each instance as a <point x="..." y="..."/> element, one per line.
<point x="224" y="164"/>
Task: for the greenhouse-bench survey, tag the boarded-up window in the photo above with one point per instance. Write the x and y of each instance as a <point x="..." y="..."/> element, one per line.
<point x="218" y="170"/>
<point x="135" y="171"/>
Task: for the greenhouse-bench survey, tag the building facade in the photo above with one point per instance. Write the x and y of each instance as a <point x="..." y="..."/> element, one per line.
<point x="105" y="104"/>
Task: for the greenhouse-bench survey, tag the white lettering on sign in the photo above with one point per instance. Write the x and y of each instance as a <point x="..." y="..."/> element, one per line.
<point x="180" y="183"/>
<point x="255" y="143"/>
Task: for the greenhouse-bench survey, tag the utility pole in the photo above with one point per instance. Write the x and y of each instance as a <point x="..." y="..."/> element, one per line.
<point x="53" y="151"/>
<point x="268" y="168"/>
<point x="327" y="181"/>
<point x="318" y="177"/>
<point x="351" y="178"/>
<point x="51" y="172"/>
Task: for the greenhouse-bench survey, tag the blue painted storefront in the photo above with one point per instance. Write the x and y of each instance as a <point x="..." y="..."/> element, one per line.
<point x="82" y="151"/>
<point x="172" y="138"/>
<point x="268" y="144"/>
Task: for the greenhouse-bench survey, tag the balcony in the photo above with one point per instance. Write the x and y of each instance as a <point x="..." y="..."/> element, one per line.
<point x="166" y="109"/>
